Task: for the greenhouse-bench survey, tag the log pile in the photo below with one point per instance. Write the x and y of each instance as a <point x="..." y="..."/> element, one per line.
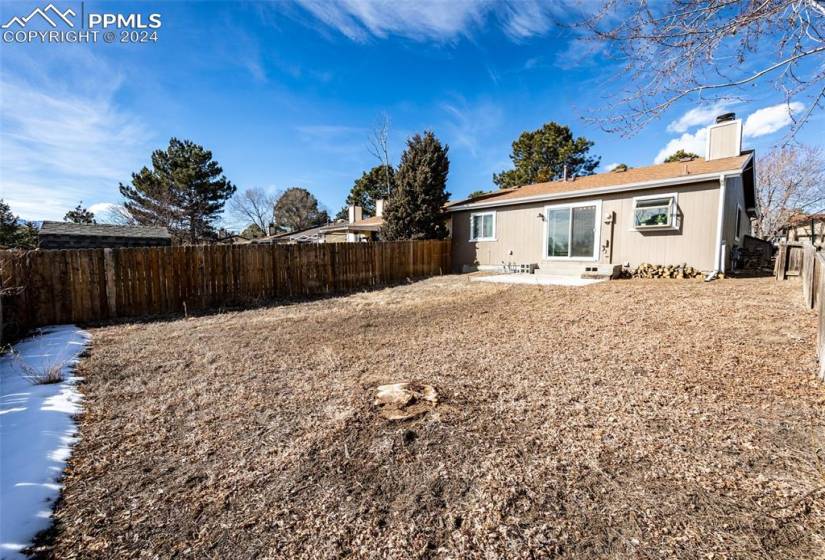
<point x="647" y="270"/>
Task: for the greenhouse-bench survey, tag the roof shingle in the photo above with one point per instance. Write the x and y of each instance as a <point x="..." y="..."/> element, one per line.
<point x="660" y="172"/>
<point x="104" y="230"/>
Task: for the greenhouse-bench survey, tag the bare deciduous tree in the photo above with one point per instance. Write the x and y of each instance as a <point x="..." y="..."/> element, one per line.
<point x="379" y="147"/>
<point x="709" y="51"/>
<point x="255" y="206"/>
<point x="789" y="181"/>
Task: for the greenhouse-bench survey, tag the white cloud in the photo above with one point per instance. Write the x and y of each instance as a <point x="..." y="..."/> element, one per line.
<point x="59" y="145"/>
<point x="525" y="18"/>
<point x="761" y="122"/>
<point x="470" y="124"/>
<point x="610" y="167"/>
<point x="430" y="19"/>
<point x="698" y="116"/>
<point x="770" y="119"/>
<point x="688" y="142"/>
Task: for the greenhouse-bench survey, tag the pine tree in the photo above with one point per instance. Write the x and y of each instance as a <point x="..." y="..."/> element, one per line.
<point x="80" y="215"/>
<point x="679" y="155"/>
<point x="542" y="155"/>
<point x="27" y="236"/>
<point x="185" y="191"/>
<point x="415" y="208"/>
<point x="371" y="186"/>
<point x="8" y="225"/>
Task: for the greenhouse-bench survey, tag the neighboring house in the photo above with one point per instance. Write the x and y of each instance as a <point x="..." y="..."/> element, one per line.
<point x="356" y="228"/>
<point x="692" y="211"/>
<point x="800" y="226"/>
<point x="308" y="235"/>
<point x="225" y="237"/>
<point x="67" y="235"/>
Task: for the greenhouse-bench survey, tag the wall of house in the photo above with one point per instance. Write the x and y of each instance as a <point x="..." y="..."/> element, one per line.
<point x="520" y="233"/>
<point x="734" y="199"/>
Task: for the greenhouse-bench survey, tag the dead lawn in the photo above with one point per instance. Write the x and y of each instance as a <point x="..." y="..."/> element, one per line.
<point x="631" y="419"/>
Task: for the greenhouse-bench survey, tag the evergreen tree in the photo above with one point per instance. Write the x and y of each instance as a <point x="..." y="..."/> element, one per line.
<point x="541" y="155"/>
<point x="27" y="236"/>
<point x="415" y="209"/>
<point x="185" y="191"/>
<point x="369" y="187"/>
<point x="8" y="225"/>
<point x="80" y="215"/>
<point x="298" y="209"/>
<point x="252" y="231"/>
<point x="680" y="154"/>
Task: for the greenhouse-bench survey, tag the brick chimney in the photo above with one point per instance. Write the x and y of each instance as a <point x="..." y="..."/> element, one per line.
<point x="379" y="208"/>
<point x="356" y="213"/>
<point x="724" y="139"/>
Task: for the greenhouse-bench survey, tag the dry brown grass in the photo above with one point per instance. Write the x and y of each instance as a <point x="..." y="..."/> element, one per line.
<point x="631" y="419"/>
<point x="44" y="374"/>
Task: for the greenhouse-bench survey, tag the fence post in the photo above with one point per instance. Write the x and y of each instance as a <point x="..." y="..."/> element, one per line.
<point x="780" y="261"/>
<point x="111" y="288"/>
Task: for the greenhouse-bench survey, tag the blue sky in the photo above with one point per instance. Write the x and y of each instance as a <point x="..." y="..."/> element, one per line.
<point x="286" y="93"/>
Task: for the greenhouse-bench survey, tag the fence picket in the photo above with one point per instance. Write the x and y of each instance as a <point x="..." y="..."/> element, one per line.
<point x="94" y="284"/>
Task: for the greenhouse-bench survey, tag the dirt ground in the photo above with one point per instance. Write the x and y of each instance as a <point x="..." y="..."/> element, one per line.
<point x="629" y="419"/>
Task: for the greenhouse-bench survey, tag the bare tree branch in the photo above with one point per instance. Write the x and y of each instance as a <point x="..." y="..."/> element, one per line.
<point x="789" y="182"/>
<point x="677" y="49"/>
<point x="379" y="148"/>
<point x="255" y="206"/>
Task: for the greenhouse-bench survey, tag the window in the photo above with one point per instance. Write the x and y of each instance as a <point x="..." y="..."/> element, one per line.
<point x="654" y="212"/>
<point x="483" y="226"/>
<point x="736" y="234"/>
<point x="572" y="231"/>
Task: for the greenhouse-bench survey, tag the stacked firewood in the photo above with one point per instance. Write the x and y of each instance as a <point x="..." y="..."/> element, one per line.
<point x="647" y="270"/>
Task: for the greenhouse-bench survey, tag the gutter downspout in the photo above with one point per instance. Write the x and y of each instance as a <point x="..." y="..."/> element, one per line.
<point x="719" y="227"/>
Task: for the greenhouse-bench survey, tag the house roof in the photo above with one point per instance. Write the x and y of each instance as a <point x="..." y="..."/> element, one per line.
<point x="373" y="223"/>
<point x="802" y="219"/>
<point x="297" y="235"/>
<point x="104" y="230"/>
<point x="650" y="175"/>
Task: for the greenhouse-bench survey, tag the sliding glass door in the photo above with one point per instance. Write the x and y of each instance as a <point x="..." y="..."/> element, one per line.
<point x="572" y="231"/>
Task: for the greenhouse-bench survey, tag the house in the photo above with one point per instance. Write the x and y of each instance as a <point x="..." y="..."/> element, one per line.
<point x="67" y="235"/>
<point x="225" y="237"/>
<point x="307" y="235"/>
<point x="801" y="225"/>
<point x="693" y="211"/>
<point x="356" y="228"/>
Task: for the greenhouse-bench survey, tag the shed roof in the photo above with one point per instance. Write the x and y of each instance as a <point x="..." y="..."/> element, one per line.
<point x="104" y="230"/>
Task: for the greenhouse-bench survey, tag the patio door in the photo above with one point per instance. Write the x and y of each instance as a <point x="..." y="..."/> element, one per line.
<point x="571" y="231"/>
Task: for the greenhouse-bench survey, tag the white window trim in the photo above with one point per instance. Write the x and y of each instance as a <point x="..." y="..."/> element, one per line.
<point x="737" y="223"/>
<point x="674" y="222"/>
<point x="597" y="238"/>
<point x="472" y="219"/>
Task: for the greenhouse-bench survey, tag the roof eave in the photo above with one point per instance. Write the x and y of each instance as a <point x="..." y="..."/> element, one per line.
<point x="683" y="179"/>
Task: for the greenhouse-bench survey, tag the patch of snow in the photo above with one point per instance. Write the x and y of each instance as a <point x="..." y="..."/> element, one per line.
<point x="37" y="430"/>
<point x="536" y="279"/>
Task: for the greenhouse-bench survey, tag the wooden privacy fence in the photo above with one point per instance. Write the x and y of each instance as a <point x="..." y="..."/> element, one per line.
<point x="788" y="260"/>
<point x="812" y="275"/>
<point x="52" y="287"/>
